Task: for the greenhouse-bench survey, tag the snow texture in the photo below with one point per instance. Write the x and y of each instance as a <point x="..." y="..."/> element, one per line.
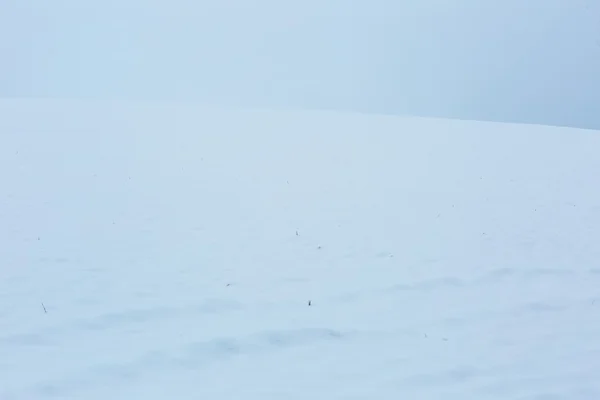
<point x="154" y="251"/>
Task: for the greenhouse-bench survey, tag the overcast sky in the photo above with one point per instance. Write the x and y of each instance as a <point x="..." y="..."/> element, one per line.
<point x="511" y="60"/>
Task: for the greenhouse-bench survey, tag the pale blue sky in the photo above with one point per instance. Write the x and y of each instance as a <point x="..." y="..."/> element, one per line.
<point x="511" y="60"/>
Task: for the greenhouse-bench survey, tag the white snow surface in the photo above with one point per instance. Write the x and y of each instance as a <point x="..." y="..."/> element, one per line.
<point x="170" y="251"/>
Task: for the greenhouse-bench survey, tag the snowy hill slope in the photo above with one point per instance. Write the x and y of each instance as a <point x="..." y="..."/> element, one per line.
<point x="157" y="252"/>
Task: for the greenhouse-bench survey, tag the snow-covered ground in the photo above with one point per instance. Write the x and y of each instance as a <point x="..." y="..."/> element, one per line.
<point x="177" y="252"/>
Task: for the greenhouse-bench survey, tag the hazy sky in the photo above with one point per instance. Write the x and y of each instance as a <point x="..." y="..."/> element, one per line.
<point x="509" y="60"/>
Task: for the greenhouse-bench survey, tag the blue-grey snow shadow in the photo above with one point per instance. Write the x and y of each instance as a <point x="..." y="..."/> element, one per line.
<point x="190" y="356"/>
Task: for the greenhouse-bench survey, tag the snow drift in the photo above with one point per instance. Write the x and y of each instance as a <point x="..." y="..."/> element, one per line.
<point x="170" y="251"/>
